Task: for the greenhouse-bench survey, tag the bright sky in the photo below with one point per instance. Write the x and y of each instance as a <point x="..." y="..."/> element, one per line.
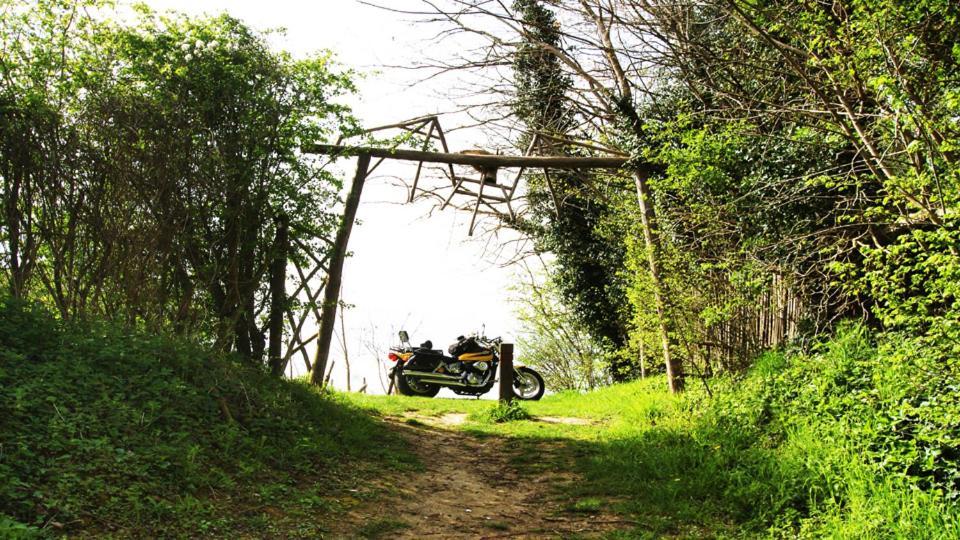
<point x="408" y="270"/>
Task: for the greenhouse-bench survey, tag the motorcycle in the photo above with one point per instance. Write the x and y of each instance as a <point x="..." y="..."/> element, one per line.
<point x="470" y="369"/>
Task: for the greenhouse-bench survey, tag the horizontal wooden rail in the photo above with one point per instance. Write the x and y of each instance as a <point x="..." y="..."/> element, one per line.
<point x="475" y="160"/>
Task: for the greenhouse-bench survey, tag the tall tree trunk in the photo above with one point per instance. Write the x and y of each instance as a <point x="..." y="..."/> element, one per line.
<point x="648" y="218"/>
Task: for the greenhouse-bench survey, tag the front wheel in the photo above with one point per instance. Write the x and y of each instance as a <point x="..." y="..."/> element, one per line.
<point x="527" y="384"/>
<point x="411" y="387"/>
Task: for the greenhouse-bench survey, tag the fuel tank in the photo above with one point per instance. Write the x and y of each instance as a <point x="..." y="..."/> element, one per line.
<point x="483" y="356"/>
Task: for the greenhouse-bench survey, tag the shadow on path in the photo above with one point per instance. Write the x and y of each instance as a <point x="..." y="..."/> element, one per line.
<point x="478" y="486"/>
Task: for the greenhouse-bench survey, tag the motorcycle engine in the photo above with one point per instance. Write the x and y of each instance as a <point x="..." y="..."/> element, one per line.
<point x="481" y="366"/>
<point x="455" y="368"/>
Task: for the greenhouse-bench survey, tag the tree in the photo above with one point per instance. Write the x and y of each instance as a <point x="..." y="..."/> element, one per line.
<point x="565" y="207"/>
<point x="146" y="167"/>
<point x="795" y="142"/>
<point x="553" y="339"/>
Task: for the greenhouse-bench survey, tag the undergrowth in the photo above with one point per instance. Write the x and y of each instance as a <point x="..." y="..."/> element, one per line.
<point x="500" y="413"/>
<point x="856" y="440"/>
<point x="110" y="431"/>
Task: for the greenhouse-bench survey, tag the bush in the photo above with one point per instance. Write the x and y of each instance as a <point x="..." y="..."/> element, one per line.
<point x="108" y="429"/>
<point x="859" y="439"/>
<point x="501" y="412"/>
<point x="830" y="441"/>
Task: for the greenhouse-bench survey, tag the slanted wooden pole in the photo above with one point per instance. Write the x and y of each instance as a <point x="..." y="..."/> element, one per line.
<point x="506" y="372"/>
<point x="331" y="292"/>
<point x="278" y="296"/>
<point x="648" y="218"/>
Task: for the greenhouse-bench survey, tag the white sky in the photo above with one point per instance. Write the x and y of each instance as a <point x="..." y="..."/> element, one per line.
<point x="408" y="270"/>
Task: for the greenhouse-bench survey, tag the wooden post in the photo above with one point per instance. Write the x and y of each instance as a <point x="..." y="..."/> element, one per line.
<point x="506" y="372"/>
<point x="278" y="296"/>
<point x="648" y="217"/>
<point x="331" y="292"/>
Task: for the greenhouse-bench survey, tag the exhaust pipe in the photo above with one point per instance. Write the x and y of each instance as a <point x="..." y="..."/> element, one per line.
<point x="438" y="378"/>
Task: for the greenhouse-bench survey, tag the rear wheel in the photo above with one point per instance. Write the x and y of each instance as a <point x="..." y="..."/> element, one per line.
<point x="408" y="386"/>
<point x="527" y="384"/>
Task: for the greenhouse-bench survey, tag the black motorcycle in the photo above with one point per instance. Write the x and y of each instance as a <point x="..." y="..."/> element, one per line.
<point x="470" y="369"/>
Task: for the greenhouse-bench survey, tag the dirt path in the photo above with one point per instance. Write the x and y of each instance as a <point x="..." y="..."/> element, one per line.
<point x="477" y="487"/>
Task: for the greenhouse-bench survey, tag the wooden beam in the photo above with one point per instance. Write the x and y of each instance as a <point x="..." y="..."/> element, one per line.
<point x="446" y="149"/>
<point x="421" y="120"/>
<point x="331" y="296"/>
<point x="473" y="218"/>
<point x="494" y="198"/>
<point x="475" y="160"/>
<point x="416" y="178"/>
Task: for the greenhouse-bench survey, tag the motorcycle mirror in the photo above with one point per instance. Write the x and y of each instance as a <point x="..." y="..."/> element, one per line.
<point x="404" y="337"/>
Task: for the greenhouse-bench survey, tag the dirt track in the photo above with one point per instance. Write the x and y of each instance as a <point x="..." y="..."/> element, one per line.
<point x="478" y="487"/>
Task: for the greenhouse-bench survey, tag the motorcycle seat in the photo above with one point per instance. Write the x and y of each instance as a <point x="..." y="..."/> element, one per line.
<point x="435" y="352"/>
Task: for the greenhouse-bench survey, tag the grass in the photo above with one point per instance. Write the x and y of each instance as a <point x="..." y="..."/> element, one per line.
<point x="110" y="432"/>
<point x="588" y="505"/>
<point x="845" y="442"/>
<point x="381" y="528"/>
<point x="500" y="413"/>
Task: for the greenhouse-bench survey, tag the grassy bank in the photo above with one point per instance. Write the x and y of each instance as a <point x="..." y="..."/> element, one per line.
<point x="110" y="432"/>
<point x="855" y="440"/>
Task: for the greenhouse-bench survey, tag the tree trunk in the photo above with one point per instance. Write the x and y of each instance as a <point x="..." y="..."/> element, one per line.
<point x="17" y="279"/>
<point x="278" y="296"/>
<point x="648" y="218"/>
<point x="331" y="292"/>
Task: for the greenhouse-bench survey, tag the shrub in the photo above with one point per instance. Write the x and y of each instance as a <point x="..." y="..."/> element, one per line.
<point x="501" y="412"/>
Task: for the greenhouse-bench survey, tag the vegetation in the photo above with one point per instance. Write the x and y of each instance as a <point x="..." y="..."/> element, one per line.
<point x="553" y="341"/>
<point x="566" y="208"/>
<point x="786" y="231"/>
<point x="796" y="167"/>
<point x="147" y="166"/>
<point x="841" y="442"/>
<point x="105" y="430"/>
<point x="502" y="412"/>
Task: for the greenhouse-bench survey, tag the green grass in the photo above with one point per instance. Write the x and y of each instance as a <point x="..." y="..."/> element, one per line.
<point x="859" y="439"/>
<point x="588" y="505"/>
<point x="110" y="432"/>
<point x="105" y="431"/>
<point x="381" y="528"/>
<point x="394" y="405"/>
<point x="500" y="413"/>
